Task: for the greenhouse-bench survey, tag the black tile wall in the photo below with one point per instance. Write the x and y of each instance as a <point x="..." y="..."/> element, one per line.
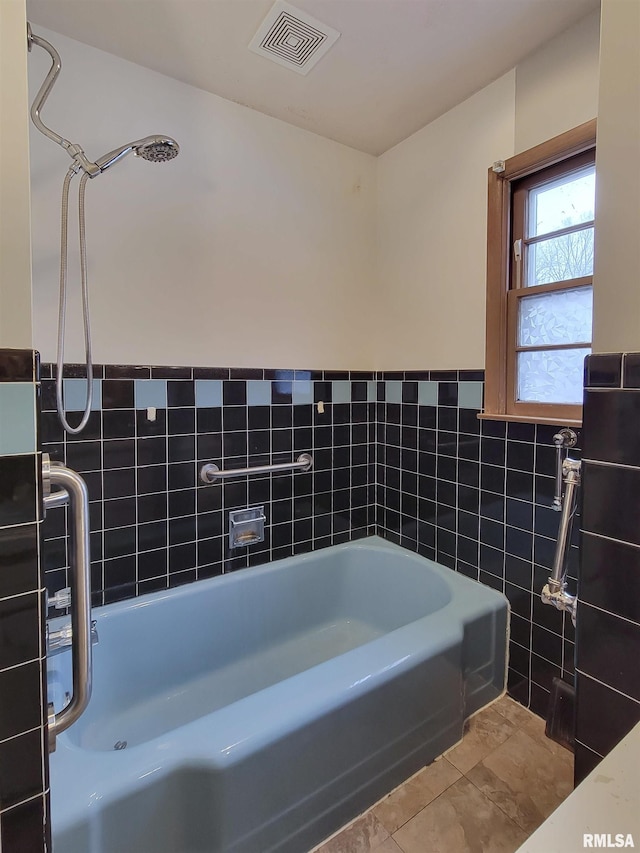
<point x="608" y="641"/>
<point x="155" y="525"/>
<point x="23" y="756"/>
<point x="476" y="495"/>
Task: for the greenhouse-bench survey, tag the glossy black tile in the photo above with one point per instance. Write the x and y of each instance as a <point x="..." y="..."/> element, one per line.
<point x="448" y="393"/>
<point x="18" y="489"/>
<point x="520" y="455"/>
<point x="181" y="421"/>
<point x="150" y="479"/>
<point x="120" y="483"/>
<point x="83" y="456"/>
<point x="118" y="453"/>
<point x="126" y="371"/>
<point x="162" y="372"/>
<point x="603" y="371"/>
<point x="608" y="648"/>
<point x="180" y="393"/>
<point x="120" y="542"/>
<point x="608" y="435"/>
<point x="117" y="394"/>
<point x="18" y="560"/>
<point x="20" y="768"/>
<point x="631" y="370"/>
<point x="20" y="699"/>
<point x="148" y="428"/>
<point x="492" y="451"/>
<point x="152" y="507"/>
<point x="246" y="373"/>
<point x="118" y="423"/>
<point x="585" y="760"/>
<point x="120" y="571"/>
<point x="151" y="451"/>
<point x="607" y="568"/>
<point x="120" y="512"/>
<point x="443" y="375"/>
<point x="17" y="365"/>
<point x="22" y="828"/>
<point x="210" y="373"/>
<point x="611" y="501"/>
<point x="592" y="698"/>
<point x="21" y="629"/>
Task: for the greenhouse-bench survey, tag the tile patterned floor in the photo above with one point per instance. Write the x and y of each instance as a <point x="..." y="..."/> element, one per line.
<point x="486" y="795"/>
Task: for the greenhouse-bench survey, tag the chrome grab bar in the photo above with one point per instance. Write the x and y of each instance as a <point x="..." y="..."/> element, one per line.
<point x="210" y="472"/>
<point x="562" y="440"/>
<point x="76" y="494"/>
<point x="554" y="591"/>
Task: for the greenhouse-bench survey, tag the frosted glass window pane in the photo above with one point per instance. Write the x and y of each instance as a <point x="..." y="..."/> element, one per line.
<point x="556" y="318"/>
<point x="561" y="258"/>
<point x="562" y="203"/>
<point x="551" y="376"/>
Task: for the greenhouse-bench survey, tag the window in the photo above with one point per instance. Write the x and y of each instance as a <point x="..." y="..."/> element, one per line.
<point x="539" y="280"/>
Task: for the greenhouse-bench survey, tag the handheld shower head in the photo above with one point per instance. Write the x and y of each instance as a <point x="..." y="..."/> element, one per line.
<point x="156" y="149"/>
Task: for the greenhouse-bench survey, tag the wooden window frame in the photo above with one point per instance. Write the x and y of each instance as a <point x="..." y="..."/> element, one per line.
<point x="500" y="402"/>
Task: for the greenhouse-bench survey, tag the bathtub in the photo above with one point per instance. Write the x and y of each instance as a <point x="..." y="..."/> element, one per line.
<point x="261" y="710"/>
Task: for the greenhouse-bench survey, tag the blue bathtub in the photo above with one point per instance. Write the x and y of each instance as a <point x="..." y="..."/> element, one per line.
<point x="260" y="711"/>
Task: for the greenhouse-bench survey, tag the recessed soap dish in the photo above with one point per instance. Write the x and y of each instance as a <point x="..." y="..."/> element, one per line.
<point x="246" y="526"/>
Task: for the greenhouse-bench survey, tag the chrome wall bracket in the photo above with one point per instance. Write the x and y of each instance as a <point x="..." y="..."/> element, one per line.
<point x="562" y="440"/>
<point x="554" y="591"/>
<point x="560" y="599"/>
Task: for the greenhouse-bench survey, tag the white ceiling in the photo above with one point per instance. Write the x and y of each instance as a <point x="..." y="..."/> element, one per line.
<point x="398" y="64"/>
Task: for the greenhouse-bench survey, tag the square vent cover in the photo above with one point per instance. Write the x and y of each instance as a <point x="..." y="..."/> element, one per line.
<point x="292" y="38"/>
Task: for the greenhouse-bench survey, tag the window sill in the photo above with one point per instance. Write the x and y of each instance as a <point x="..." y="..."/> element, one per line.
<point x="523" y="419"/>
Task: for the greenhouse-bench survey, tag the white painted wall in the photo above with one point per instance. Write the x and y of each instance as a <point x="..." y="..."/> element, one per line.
<point x="432" y="234"/>
<point x="432" y="202"/>
<point x="266" y="245"/>
<point x="617" y="250"/>
<point x="15" y="245"/>
<point x="256" y="246"/>
<point x="557" y="85"/>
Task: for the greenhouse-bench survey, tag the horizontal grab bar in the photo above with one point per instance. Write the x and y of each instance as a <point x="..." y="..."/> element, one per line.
<point x="210" y="472"/>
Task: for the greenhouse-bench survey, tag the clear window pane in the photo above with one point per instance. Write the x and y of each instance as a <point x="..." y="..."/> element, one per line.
<point x="556" y="318"/>
<point x="562" y="203"/>
<point x="551" y="376"/>
<point x="560" y="258"/>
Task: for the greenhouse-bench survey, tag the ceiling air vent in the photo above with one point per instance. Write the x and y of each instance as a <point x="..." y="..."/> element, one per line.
<point x="292" y="38"/>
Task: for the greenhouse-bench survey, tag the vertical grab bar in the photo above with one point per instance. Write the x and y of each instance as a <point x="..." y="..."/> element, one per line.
<point x="81" y="650"/>
<point x="554" y="591"/>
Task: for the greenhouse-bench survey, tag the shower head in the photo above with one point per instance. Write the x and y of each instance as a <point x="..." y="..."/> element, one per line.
<point x="156" y="149"/>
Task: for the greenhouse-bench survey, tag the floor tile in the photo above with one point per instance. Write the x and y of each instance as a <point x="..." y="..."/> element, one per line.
<point x="513" y="711"/>
<point x="461" y="820"/>
<point x="416" y="793"/>
<point x="364" y="834"/>
<point x="524" y="780"/>
<point x="535" y="727"/>
<point x="388" y="846"/>
<point x="484" y="733"/>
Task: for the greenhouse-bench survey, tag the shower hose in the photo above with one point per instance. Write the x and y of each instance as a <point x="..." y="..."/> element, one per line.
<point x="62" y="308"/>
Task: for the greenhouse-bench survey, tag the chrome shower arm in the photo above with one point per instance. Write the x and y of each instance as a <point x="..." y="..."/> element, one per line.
<point x="73" y="150"/>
